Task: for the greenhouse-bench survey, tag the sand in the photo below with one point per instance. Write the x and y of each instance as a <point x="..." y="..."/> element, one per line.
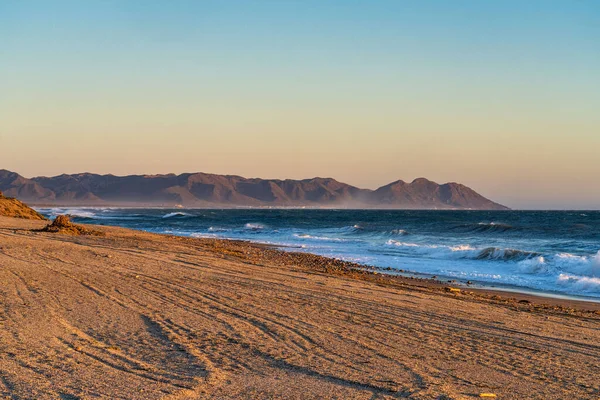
<point x="132" y="315"/>
<point x="10" y="207"/>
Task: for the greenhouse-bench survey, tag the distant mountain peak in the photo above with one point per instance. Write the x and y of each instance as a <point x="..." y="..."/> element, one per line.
<point x="211" y="190"/>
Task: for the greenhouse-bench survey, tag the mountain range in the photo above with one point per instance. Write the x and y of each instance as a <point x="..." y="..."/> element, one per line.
<point x="210" y="190"/>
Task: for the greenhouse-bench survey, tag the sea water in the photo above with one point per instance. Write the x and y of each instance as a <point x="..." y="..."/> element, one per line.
<point x="552" y="251"/>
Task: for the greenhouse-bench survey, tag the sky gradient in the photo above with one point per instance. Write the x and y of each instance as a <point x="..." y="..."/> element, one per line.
<point x="501" y="96"/>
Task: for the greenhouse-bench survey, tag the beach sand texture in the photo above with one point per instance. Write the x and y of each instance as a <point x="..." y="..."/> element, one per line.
<point x="133" y="315"/>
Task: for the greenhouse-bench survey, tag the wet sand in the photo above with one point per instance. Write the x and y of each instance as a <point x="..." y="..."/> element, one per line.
<point x="134" y="315"/>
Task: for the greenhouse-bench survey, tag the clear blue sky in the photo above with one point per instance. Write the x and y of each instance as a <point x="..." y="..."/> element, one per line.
<point x="502" y="96"/>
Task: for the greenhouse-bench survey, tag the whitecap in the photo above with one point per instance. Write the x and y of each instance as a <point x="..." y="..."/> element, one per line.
<point x="175" y="214"/>
<point x="581" y="284"/>
<point x="399" y="232"/>
<point x="254" y="226"/>
<point x="203" y="235"/>
<point x="76" y="212"/>
<point x="466" y="251"/>
<point x="217" y="229"/>
<point x="580" y="265"/>
<point x="534" y="265"/>
<point x="325" y="238"/>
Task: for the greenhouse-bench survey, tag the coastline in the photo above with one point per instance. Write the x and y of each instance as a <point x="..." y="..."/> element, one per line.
<point x="413" y="277"/>
<point x="146" y="316"/>
<point x="484" y="290"/>
<point x="524" y="300"/>
<point x="493" y="251"/>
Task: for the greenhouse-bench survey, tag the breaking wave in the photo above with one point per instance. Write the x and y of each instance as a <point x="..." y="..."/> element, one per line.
<point x="486" y="227"/>
<point x="366" y="230"/>
<point x="323" y="238"/>
<point x="252" y="226"/>
<point x="72" y="212"/>
<point x="217" y="229"/>
<point x="177" y="214"/>
<point x="494" y="253"/>
<point x="581" y="284"/>
<point x="582" y="265"/>
<point x="80" y="214"/>
<point x="467" y="251"/>
<point x="203" y="235"/>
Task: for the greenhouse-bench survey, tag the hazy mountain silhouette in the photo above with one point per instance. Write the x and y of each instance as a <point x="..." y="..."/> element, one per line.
<point x="210" y="190"/>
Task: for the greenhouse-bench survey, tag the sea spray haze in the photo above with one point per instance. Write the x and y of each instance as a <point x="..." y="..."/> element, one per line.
<point x="553" y="251"/>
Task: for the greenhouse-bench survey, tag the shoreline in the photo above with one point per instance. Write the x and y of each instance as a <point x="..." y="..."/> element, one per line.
<point x="511" y="293"/>
<point x="496" y="288"/>
<point x="479" y="286"/>
<point x="551" y="291"/>
<point x="508" y="291"/>
<point x="136" y="315"/>
<point x="414" y="281"/>
<point x="515" y="294"/>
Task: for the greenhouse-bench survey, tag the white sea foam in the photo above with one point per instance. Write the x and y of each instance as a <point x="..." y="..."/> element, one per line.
<point x="404" y="244"/>
<point x="578" y="274"/>
<point x="495" y="253"/>
<point x="443" y="252"/>
<point x="80" y="213"/>
<point x="73" y="212"/>
<point x="203" y="235"/>
<point x="495" y="224"/>
<point x="581" y="284"/>
<point x="462" y="247"/>
<point x="466" y="251"/>
<point x="175" y="214"/>
<point x="534" y="265"/>
<point x="324" y="238"/>
<point x="581" y="265"/>
<point x="399" y="232"/>
<point x="254" y="226"/>
<point x="489" y="227"/>
<point x="217" y="229"/>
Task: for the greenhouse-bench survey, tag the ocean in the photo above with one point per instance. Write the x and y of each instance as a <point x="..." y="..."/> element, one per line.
<point x="555" y="252"/>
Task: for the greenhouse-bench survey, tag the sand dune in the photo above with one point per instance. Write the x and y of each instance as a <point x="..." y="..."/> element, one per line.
<point x="10" y="207"/>
<point x="139" y="316"/>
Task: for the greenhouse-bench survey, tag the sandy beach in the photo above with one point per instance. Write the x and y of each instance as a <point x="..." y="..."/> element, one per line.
<point x="133" y="315"/>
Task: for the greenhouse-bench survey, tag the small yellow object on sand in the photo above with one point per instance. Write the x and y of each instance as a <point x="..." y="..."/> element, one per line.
<point x="452" y="290"/>
<point x="488" y="395"/>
